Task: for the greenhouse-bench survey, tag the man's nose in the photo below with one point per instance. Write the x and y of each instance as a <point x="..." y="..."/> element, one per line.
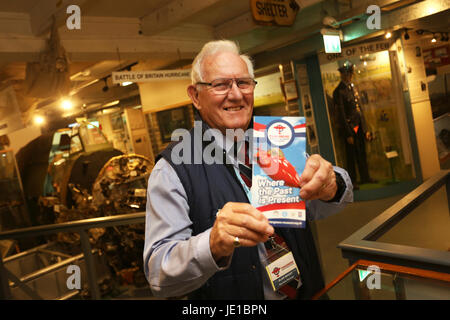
<point x="234" y="93"/>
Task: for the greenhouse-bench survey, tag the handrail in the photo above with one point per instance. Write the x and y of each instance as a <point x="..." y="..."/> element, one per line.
<point x="406" y="271"/>
<point x="79" y="226"/>
<point x="363" y="243"/>
<point x="74" y="226"/>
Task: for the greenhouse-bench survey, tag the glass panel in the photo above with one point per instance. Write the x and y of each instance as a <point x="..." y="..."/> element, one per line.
<point x="75" y="144"/>
<point x="427" y="226"/>
<point x="438" y="75"/>
<point x="373" y="93"/>
<point x="91" y="134"/>
<point x="172" y="119"/>
<point x="361" y="284"/>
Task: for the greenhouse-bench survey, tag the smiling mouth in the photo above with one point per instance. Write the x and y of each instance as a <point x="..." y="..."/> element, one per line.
<point x="234" y="108"/>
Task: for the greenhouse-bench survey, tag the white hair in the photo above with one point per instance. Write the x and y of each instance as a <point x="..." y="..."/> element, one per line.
<point x="212" y="48"/>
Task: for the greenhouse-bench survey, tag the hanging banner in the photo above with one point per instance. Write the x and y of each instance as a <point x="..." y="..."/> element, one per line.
<point x="274" y="12"/>
<point x="148" y="76"/>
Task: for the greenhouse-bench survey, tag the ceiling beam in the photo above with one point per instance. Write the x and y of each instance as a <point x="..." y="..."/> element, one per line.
<point x="307" y="24"/>
<point x="173" y="13"/>
<point x="395" y="18"/>
<point x="102" y="38"/>
<point x="42" y="12"/>
<point x="93" y="49"/>
<point x="312" y="44"/>
<point x="241" y="24"/>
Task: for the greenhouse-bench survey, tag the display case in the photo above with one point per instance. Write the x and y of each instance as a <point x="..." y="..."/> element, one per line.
<point x="380" y="96"/>
<point x="414" y="232"/>
<point x="372" y="280"/>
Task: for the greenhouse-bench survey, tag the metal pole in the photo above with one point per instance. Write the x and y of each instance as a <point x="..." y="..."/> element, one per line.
<point x="5" y="293"/>
<point x="90" y="265"/>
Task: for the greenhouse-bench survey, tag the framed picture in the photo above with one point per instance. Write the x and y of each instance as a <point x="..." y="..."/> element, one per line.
<point x="290" y="90"/>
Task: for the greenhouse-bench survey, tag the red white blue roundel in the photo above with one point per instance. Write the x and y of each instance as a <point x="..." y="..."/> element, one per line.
<point x="280" y="133"/>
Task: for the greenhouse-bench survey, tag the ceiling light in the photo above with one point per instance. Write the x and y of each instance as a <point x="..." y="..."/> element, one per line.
<point x="66" y="104"/>
<point x="126" y="83"/>
<point x="434" y="38"/>
<point x="388" y="35"/>
<point x="38" y="120"/>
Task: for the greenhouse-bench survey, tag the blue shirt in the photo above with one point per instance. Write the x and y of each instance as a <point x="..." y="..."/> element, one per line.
<point x="175" y="262"/>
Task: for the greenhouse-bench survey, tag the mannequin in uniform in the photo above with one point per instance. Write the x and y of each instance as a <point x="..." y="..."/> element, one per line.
<point x="352" y="125"/>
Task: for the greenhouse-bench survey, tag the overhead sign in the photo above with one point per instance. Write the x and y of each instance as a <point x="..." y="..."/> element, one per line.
<point x="355" y="51"/>
<point x="274" y="12"/>
<point x="148" y="76"/>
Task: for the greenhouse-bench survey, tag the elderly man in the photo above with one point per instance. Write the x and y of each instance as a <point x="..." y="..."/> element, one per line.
<point x="203" y="238"/>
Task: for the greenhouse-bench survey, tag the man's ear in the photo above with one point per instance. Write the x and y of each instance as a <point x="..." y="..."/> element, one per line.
<point x="193" y="94"/>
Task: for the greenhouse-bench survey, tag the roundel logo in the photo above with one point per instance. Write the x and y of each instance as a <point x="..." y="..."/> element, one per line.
<point x="280" y="133"/>
<point x="276" y="271"/>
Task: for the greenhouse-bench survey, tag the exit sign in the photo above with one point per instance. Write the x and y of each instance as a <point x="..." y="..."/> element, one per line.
<point x="332" y="43"/>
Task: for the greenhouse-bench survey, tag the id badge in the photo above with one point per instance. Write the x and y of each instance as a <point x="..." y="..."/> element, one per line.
<point x="281" y="267"/>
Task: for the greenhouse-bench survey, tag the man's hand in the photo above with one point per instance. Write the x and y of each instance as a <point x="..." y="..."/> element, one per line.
<point x="240" y="220"/>
<point x="350" y="140"/>
<point x="318" y="180"/>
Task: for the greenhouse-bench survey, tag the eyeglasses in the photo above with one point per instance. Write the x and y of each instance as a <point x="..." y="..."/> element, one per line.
<point x="223" y="86"/>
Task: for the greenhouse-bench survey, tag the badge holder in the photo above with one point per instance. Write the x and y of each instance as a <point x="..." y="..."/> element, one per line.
<point x="280" y="266"/>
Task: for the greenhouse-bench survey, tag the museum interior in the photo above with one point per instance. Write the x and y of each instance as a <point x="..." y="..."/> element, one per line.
<point x="91" y="92"/>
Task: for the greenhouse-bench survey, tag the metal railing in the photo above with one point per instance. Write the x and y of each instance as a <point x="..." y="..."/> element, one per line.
<point x="78" y="226"/>
<point x="363" y="243"/>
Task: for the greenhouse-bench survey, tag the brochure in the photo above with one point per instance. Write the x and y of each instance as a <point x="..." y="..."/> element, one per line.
<point x="279" y="157"/>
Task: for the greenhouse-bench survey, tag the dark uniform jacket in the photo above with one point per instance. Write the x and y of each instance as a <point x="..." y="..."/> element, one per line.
<point x="348" y="108"/>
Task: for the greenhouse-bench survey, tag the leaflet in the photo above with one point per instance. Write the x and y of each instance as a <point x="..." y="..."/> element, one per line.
<point x="279" y="157"/>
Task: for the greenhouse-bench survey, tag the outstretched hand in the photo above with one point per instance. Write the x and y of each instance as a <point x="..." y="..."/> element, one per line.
<point x="318" y="180"/>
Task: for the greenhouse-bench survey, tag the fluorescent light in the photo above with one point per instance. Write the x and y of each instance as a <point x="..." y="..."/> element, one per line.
<point x="126" y="83"/>
<point x="112" y="103"/>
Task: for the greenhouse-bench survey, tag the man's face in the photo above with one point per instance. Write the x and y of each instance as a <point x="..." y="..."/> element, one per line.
<point x="227" y="111"/>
